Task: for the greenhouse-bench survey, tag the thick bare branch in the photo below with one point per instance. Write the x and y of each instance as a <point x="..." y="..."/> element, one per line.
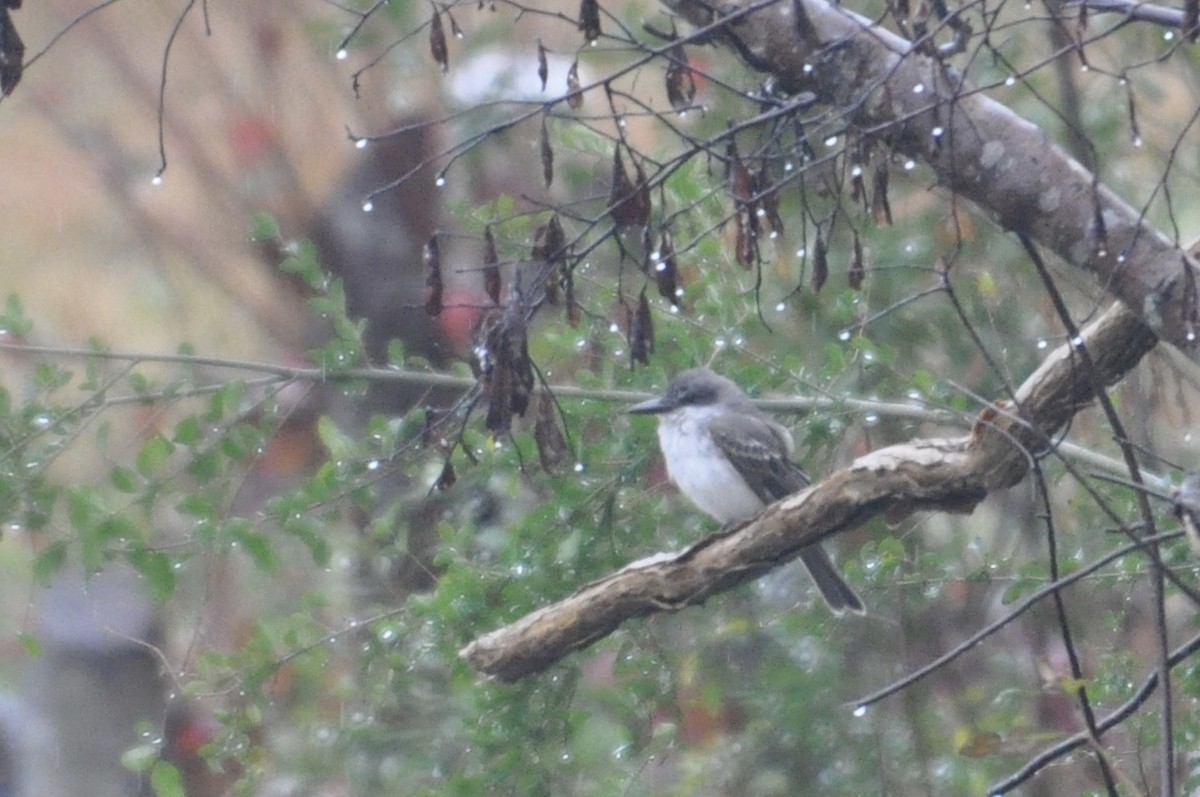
<point x="976" y="147"/>
<point x="951" y="474"/>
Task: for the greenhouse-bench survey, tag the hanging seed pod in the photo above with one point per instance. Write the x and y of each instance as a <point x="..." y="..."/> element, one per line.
<point x="551" y="445"/>
<point x="437" y="41"/>
<point x="858" y="270"/>
<point x="881" y="208"/>
<point x="446" y="478"/>
<point x="628" y="204"/>
<point x="641" y="332"/>
<point x="543" y="69"/>
<point x="820" y="263"/>
<point x="491" y="266"/>
<point x="681" y="84"/>
<point x="589" y="20"/>
<point x="432" y="258"/>
<point x="574" y="311"/>
<point x="547" y="156"/>
<point x="574" y="94"/>
<point x="666" y="270"/>
<point x="12" y="52"/>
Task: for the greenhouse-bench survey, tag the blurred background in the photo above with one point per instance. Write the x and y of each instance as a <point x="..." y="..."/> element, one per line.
<point x="248" y="578"/>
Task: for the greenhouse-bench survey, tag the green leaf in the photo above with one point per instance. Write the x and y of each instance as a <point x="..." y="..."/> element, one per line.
<point x="49" y="561"/>
<point x="340" y="445"/>
<point x="187" y="431"/>
<point x="30" y="644"/>
<point x="140" y="758"/>
<point x="166" y="780"/>
<point x="152" y="459"/>
<point x="265" y="228"/>
<point x="124" y="479"/>
<point x="158" y="570"/>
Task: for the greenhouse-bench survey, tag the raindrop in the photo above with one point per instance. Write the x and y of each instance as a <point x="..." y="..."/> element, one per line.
<point x="787" y="167"/>
<point x="579" y="467"/>
<point x="779" y="308"/>
<point x="870" y="419"/>
<point x="1137" y="141"/>
<point x="368" y="206"/>
<point x="909" y="248"/>
<point x="919" y="88"/>
<point x="831" y="141"/>
<point x="342" y="54"/>
<point x="774" y="234"/>
<point x="1084" y="68"/>
<point x="1010" y="81"/>
<point x="373" y="465"/>
<point x="156" y="180"/>
<point x="1191" y="336"/>
<point x="613" y="327"/>
<point x="807" y="69"/>
<point x="1169" y="36"/>
<point x="801" y="252"/>
<point x="856" y="171"/>
<point x="1041" y="344"/>
<point x="1077" y="342"/>
<point x="720" y="343"/>
<point x="844" y="335"/>
<point x="937" y="132"/>
<point x="440" y="182"/>
<point x="360" y="143"/>
<point x="860" y="711"/>
<point x="909" y="165"/>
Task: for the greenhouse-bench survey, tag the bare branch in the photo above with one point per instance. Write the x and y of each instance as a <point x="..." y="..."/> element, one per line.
<point x="976" y="147"/>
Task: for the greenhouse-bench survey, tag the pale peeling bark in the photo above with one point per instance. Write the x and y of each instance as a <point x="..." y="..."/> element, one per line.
<point x="950" y="474"/>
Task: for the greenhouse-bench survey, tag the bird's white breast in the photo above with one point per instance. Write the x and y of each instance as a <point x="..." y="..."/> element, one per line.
<point x="700" y="469"/>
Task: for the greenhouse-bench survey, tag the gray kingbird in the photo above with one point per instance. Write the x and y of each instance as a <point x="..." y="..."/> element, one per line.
<point x="731" y="460"/>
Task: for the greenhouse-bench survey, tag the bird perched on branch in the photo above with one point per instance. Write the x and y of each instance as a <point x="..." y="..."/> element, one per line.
<point x="731" y="461"/>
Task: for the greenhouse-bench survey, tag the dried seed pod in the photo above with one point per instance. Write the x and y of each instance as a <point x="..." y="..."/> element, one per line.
<point x="543" y="69"/>
<point x="881" y="208"/>
<point x="628" y="203"/>
<point x="820" y="263"/>
<point x="589" y="19"/>
<point x="491" y="266"/>
<point x="574" y="94"/>
<point x="666" y="270"/>
<point x="437" y="41"/>
<point x="641" y="332"/>
<point x="551" y="445"/>
<point x="547" y="156"/>
<point x="681" y="84"/>
<point x="446" y="478"/>
<point x="858" y="270"/>
<point x="12" y="53"/>
<point x="432" y="258"/>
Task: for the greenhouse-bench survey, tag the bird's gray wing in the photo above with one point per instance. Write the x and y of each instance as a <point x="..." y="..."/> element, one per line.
<point x="758" y="449"/>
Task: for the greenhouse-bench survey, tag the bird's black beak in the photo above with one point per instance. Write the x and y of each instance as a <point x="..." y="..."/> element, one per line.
<point x="654" y="406"/>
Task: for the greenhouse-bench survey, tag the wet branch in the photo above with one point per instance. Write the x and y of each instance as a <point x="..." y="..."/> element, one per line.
<point x="947" y="474"/>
